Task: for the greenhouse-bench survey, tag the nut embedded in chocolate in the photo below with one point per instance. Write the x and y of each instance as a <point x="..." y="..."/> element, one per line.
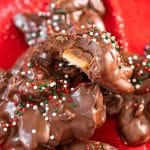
<point x="134" y="121"/>
<point x="96" y="56"/>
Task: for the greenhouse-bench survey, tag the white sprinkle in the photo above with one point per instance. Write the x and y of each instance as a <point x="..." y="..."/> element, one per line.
<point x="132" y="66"/>
<point x="14" y="109"/>
<point x="66" y="76"/>
<point x="34" y="107"/>
<point x="52" y="137"/>
<point x="137" y="86"/>
<point x="29" y="71"/>
<point x="27" y="105"/>
<point x="94" y="40"/>
<point x="60" y="101"/>
<point x="41" y="103"/>
<point x="144" y="63"/>
<point x="51" y="85"/>
<point x="63" y="98"/>
<point x="14" y="123"/>
<point x="55" y="24"/>
<point x="84" y="35"/>
<point x="63" y="31"/>
<point x="55" y="17"/>
<point x="141" y="107"/>
<point x="130" y="62"/>
<point x="47" y="108"/>
<point x="7" y="125"/>
<point x="91" y="33"/>
<point x="33" y="35"/>
<point x="60" y="64"/>
<point x="27" y="83"/>
<point x="133" y="80"/>
<point x="148" y="56"/>
<point x="54" y="114"/>
<point x="141" y="71"/>
<point x="82" y="26"/>
<point x="23" y="73"/>
<point x="96" y="34"/>
<point x="28" y="64"/>
<point x="43" y="88"/>
<point x="49" y="21"/>
<point x="135" y="57"/>
<point x="65" y="81"/>
<point x="35" y="87"/>
<point x="52" y="5"/>
<point x="4" y="129"/>
<point x="57" y="28"/>
<point x="46" y="118"/>
<point x="54" y="97"/>
<point x="72" y="89"/>
<point x="44" y="114"/>
<point x="65" y="86"/>
<point x="129" y="58"/>
<point x="33" y="131"/>
<point x="54" y="83"/>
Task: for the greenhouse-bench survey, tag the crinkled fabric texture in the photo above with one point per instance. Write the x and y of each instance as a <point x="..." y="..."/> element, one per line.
<point x="135" y="30"/>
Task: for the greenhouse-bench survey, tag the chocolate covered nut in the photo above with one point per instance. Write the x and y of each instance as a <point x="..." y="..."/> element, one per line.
<point x="113" y="102"/>
<point x="93" y="57"/>
<point x="87" y="145"/>
<point x="141" y="72"/>
<point x="62" y="15"/>
<point x="134" y="122"/>
<point x="53" y="121"/>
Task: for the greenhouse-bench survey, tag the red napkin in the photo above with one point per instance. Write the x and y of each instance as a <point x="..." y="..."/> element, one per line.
<point x="128" y="20"/>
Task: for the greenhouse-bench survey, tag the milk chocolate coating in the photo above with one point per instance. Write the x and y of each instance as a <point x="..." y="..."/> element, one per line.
<point x="36" y="27"/>
<point x="87" y="145"/>
<point x="40" y="108"/>
<point x="141" y="72"/>
<point x="134" y="120"/>
<point x="113" y="102"/>
<point x="74" y="120"/>
<point x="74" y="5"/>
<point x="102" y="59"/>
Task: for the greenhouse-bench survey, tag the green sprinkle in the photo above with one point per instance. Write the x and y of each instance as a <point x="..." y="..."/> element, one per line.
<point x="20" y="113"/>
<point x="73" y="104"/>
<point x="53" y="92"/>
<point x="55" y="110"/>
<point x="106" y="37"/>
<point x="118" y="48"/>
<point x="61" y="94"/>
<point x="60" y="11"/>
<point x="30" y="97"/>
<point x="17" y="112"/>
<point x="42" y="111"/>
<point x="46" y="102"/>
<point x="148" y="64"/>
<point x="89" y="21"/>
